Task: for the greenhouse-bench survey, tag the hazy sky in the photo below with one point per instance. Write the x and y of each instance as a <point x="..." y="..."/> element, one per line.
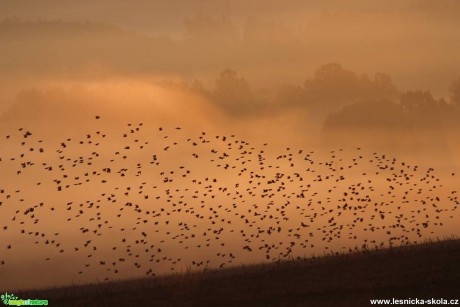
<point x="416" y="42"/>
<point x="266" y="129"/>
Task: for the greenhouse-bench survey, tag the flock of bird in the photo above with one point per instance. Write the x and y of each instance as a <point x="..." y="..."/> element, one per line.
<point x="157" y="197"/>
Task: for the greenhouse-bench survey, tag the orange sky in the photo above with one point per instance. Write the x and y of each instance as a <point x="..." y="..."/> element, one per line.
<point x="302" y="131"/>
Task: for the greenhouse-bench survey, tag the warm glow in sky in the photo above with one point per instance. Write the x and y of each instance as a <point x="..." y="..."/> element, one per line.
<point x="152" y="137"/>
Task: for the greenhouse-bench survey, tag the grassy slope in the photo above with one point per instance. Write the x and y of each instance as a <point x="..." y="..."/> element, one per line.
<point x="430" y="270"/>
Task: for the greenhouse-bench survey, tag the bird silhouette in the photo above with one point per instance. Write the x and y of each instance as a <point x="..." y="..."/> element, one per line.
<point x="148" y="199"/>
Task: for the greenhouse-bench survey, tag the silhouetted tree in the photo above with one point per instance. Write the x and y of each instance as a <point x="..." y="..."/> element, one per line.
<point x="382" y="88"/>
<point x="333" y="83"/>
<point x="426" y="111"/>
<point x="383" y="114"/>
<point x="291" y="95"/>
<point x="233" y="93"/>
<point x="419" y="100"/>
<point x="415" y="111"/>
<point x="333" y="87"/>
<point x="455" y="92"/>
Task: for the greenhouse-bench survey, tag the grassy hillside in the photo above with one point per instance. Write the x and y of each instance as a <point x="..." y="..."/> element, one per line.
<point x="425" y="271"/>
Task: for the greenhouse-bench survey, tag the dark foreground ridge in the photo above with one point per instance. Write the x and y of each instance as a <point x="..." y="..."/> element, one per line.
<point x="423" y="271"/>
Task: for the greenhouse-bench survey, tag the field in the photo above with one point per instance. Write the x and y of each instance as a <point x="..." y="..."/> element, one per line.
<point x="229" y="153"/>
<point x="424" y="271"/>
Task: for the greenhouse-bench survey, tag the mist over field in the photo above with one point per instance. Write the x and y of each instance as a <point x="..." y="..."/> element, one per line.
<point x="161" y="130"/>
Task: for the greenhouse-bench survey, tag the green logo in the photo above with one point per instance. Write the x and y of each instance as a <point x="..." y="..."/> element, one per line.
<point x="12" y="300"/>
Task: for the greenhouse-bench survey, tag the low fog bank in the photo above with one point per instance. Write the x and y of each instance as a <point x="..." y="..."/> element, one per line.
<point x="336" y="119"/>
<point x="416" y="42"/>
<point x="147" y="137"/>
<point x="333" y="108"/>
